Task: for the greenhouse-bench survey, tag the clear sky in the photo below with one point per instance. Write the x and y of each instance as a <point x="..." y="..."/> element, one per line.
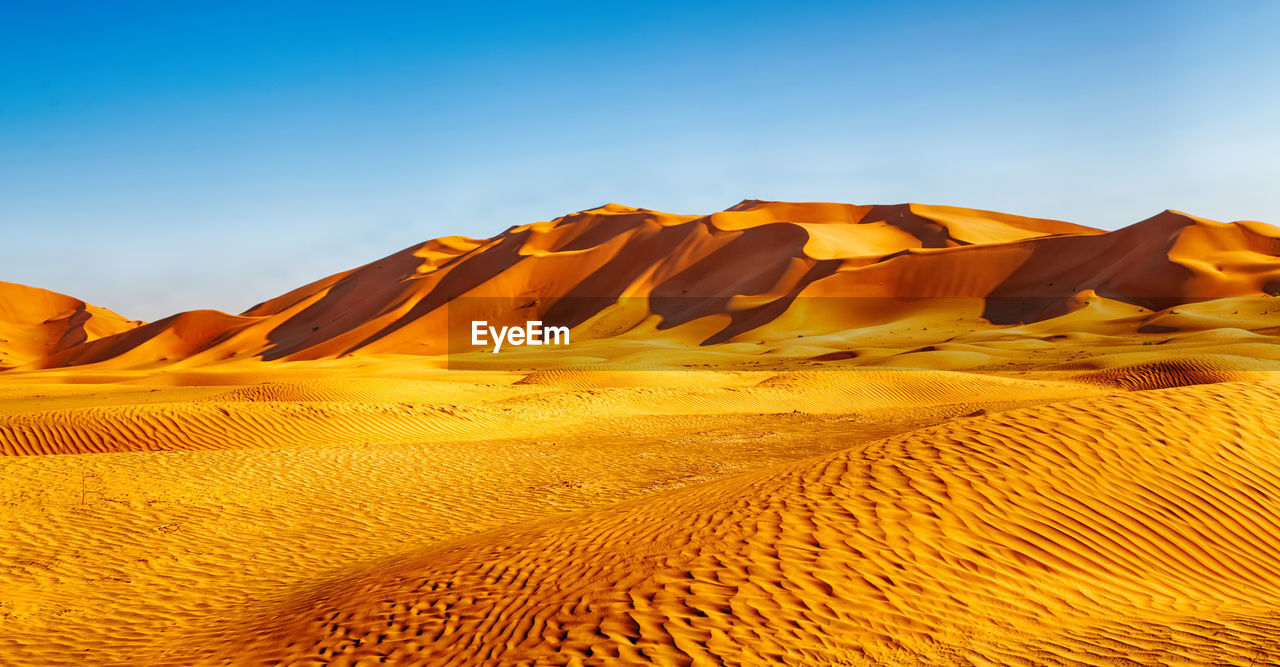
<point x="157" y="157"/>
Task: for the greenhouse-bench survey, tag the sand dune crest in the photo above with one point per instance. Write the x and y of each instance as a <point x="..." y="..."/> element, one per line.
<point x="1030" y="535"/>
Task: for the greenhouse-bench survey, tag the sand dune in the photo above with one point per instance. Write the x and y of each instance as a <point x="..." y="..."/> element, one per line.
<point x="1104" y="529"/>
<point x="613" y="270"/>
<point x="35" y="323"/>
<point x="1160" y="372"/>
<point x="802" y="434"/>
<point x="1099" y="523"/>
<point x="290" y="494"/>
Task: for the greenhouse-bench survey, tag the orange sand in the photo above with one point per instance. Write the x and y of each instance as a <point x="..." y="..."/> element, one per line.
<point x="941" y="471"/>
<point x="35" y="323"/>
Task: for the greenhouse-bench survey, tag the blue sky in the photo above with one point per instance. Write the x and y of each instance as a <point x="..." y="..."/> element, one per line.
<point x="157" y="157"/>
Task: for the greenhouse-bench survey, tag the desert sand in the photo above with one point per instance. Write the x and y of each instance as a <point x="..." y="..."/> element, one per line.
<point x="784" y="433"/>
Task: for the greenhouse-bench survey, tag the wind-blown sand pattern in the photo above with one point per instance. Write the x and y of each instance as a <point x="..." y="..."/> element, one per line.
<point x="1091" y="530"/>
<point x="782" y="434"/>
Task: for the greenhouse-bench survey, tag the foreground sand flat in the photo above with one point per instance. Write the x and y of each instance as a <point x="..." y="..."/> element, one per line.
<point x="687" y="517"/>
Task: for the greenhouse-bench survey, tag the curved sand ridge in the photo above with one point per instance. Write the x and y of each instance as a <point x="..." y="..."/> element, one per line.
<point x="565" y="266"/>
<point x="726" y="277"/>
<point x="1163" y="373"/>
<point x="1133" y="527"/>
<point x="35" y="323"/>
<point x="107" y="557"/>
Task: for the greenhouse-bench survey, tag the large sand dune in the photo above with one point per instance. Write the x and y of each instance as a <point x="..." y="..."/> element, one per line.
<point x="1095" y="530"/>
<point x="760" y="271"/>
<point x="782" y="434"/>
<point x="35" y="323"/>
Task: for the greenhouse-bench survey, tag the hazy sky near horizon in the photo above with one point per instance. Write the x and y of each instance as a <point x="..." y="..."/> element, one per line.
<point x="157" y="157"/>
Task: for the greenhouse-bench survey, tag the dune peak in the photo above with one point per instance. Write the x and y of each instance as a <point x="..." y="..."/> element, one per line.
<point x="579" y="266"/>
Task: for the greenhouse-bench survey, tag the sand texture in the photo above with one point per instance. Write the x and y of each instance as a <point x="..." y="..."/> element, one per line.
<point x="800" y="434"/>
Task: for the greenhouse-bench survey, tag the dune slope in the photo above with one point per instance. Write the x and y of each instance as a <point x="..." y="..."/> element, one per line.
<point x="269" y="491"/>
<point x="564" y="271"/>
<point x="1115" y="528"/>
<point x="35" y="323"/>
<point x="745" y="271"/>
